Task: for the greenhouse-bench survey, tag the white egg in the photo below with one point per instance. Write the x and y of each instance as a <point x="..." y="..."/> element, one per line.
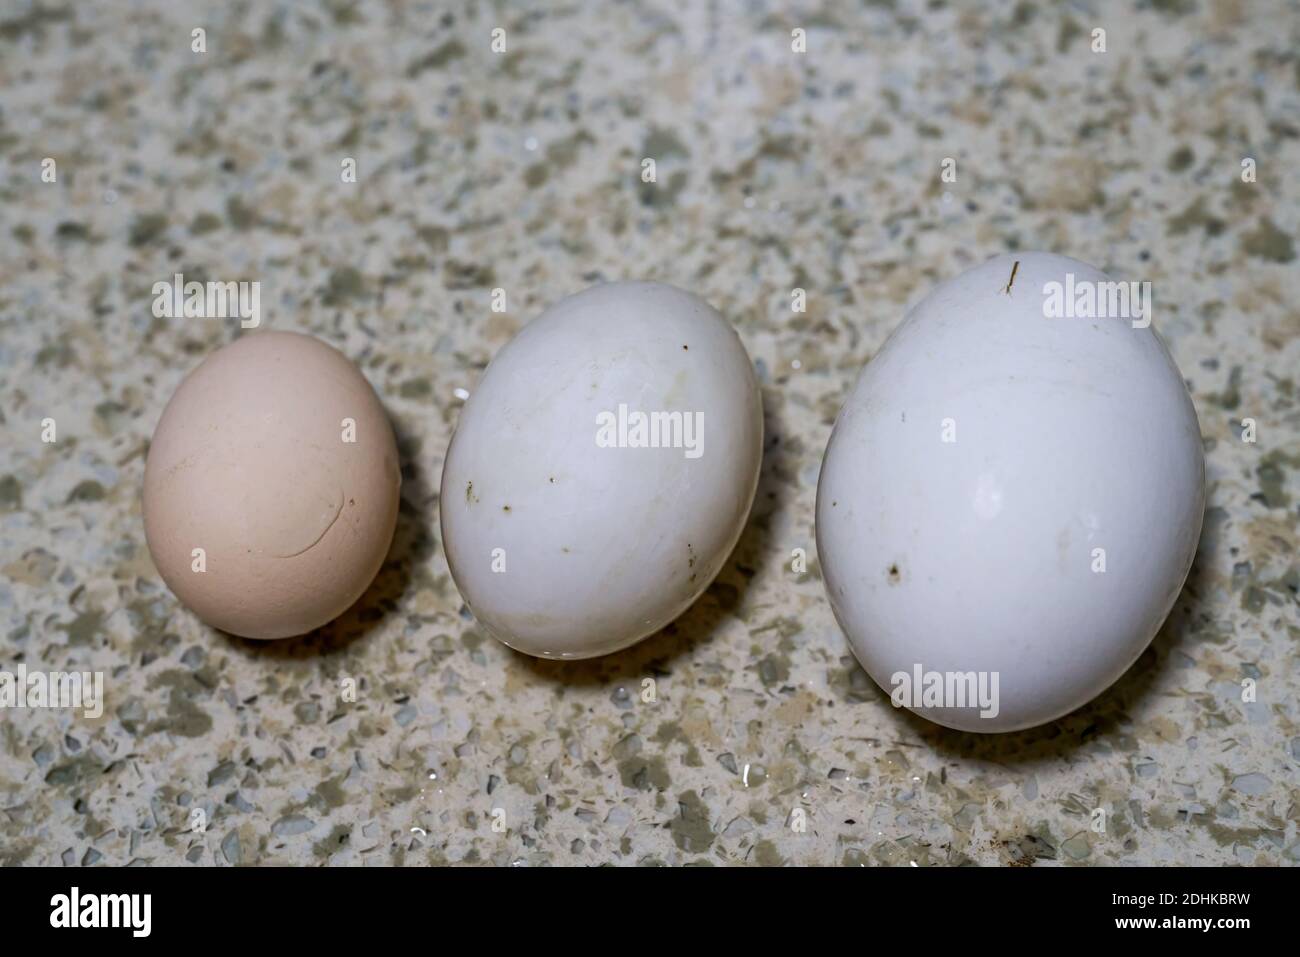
<point x="602" y="470"/>
<point x="1010" y="500"/>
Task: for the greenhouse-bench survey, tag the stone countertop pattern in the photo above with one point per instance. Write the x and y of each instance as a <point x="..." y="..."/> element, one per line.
<point x="521" y="170"/>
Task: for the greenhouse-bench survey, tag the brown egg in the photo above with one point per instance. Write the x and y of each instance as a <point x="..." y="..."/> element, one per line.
<point x="271" y="490"/>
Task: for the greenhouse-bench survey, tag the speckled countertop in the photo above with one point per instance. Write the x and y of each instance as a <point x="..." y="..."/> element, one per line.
<point x="521" y="170"/>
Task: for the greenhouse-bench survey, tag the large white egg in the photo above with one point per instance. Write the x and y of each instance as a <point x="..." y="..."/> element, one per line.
<point x="1011" y="498"/>
<point x="602" y="470"/>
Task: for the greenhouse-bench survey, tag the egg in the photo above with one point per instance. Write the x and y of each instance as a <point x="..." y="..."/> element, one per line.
<point x="271" y="487"/>
<point x="602" y="470"/>
<point x="1011" y="497"/>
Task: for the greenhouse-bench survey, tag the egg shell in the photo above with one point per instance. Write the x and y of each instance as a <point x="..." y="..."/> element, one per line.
<point x="251" y="463"/>
<point x="978" y="555"/>
<point x="600" y="546"/>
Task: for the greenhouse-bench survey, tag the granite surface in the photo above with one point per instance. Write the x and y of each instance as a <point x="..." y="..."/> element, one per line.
<point x="521" y="170"/>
